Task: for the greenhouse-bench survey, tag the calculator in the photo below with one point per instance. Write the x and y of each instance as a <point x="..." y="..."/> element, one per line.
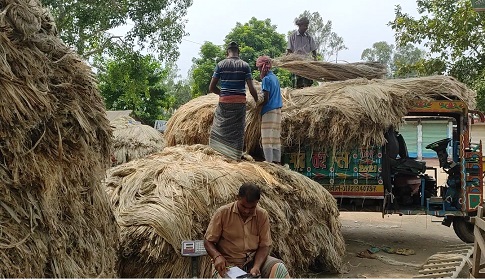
<point x="193" y="248"/>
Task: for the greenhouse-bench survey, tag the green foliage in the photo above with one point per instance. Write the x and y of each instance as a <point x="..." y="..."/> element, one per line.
<point x="181" y="92"/>
<point x="328" y="42"/>
<point x="284" y="77"/>
<point x="381" y="52"/>
<point x="203" y="68"/>
<point x="403" y="61"/>
<point x="256" y="38"/>
<point x="479" y="86"/>
<point x="453" y="33"/>
<point x="85" y="24"/>
<point x="132" y="81"/>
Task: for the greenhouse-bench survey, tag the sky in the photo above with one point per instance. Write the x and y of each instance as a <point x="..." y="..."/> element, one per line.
<point x="360" y="23"/>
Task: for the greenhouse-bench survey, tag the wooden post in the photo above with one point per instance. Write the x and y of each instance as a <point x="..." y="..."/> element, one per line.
<point x="479" y="245"/>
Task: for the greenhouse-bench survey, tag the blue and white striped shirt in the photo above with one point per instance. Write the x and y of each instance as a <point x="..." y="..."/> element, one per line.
<point x="232" y="72"/>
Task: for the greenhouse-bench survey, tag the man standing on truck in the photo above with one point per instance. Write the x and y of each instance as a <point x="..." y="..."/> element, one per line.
<point x="301" y="42"/>
<point x="271" y="111"/>
<point x="239" y="235"/>
<point x="227" y="132"/>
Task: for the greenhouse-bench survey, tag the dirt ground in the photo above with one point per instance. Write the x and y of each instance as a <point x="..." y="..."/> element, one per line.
<point x="365" y="230"/>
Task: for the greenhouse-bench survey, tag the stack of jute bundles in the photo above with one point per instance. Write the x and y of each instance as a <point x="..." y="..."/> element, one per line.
<point x="55" y="145"/>
<point x="357" y="112"/>
<point x="334" y="115"/>
<point x="170" y="196"/>
<point x="132" y="140"/>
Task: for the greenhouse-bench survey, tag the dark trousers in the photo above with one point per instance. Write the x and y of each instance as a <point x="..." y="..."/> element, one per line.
<point x="301" y="82"/>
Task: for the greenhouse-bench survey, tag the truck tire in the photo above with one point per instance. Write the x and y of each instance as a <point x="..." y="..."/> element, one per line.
<point x="463" y="229"/>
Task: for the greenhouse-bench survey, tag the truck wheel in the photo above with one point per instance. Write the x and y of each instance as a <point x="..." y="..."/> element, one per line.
<point x="463" y="229"/>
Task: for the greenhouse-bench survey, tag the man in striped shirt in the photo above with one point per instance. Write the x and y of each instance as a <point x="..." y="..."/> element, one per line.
<point x="227" y="132"/>
<point x="300" y="42"/>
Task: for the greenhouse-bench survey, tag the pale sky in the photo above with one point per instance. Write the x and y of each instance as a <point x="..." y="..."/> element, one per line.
<point x="360" y="23"/>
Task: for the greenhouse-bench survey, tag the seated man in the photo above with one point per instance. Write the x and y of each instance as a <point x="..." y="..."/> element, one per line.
<point x="239" y="235"/>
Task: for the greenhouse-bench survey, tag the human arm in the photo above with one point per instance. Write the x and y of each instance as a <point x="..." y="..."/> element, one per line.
<point x="289" y="46"/>
<point x="260" y="257"/>
<point x="252" y="89"/>
<point x="213" y="86"/>
<point x="264" y="245"/>
<point x="211" y="238"/>
<point x="266" y="97"/>
<point x="313" y="47"/>
<point x="314" y="55"/>
<point x="218" y="259"/>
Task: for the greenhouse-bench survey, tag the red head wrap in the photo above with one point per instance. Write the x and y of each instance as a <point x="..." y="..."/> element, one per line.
<point x="264" y="64"/>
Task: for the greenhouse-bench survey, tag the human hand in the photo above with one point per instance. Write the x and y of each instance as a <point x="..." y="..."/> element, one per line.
<point x="255" y="272"/>
<point x="220" y="265"/>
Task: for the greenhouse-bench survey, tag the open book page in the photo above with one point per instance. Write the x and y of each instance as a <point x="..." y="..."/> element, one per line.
<point x="234" y="272"/>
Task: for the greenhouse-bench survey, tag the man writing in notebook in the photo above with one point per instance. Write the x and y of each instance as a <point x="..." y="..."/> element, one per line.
<point x="239" y="235"/>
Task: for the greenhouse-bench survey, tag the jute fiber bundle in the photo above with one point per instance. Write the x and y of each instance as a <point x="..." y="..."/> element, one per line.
<point x="170" y="196"/>
<point x="327" y="71"/>
<point x="55" y="219"/>
<point x="191" y="123"/>
<point x="357" y="112"/>
<point x="132" y="140"/>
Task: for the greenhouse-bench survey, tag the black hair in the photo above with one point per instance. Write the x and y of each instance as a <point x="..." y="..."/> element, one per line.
<point x="250" y="191"/>
<point x="232" y="45"/>
<point x="302" y="20"/>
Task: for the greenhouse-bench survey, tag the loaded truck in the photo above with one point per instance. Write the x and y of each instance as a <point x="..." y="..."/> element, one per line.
<point x="387" y="179"/>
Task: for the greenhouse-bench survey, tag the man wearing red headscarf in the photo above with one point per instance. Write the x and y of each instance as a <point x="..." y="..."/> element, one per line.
<point x="271" y="111"/>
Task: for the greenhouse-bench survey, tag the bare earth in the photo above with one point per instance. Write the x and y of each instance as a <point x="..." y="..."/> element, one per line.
<point x="423" y="234"/>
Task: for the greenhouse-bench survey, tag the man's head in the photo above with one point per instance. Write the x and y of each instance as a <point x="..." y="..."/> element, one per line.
<point x="232" y="49"/>
<point x="263" y="63"/>
<point x="302" y="24"/>
<point x="247" y="199"/>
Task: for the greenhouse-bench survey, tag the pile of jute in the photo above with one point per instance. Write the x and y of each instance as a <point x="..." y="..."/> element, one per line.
<point x="357" y="112"/>
<point x="328" y="71"/>
<point x="55" y="218"/>
<point x="334" y="114"/>
<point x="168" y="197"/>
<point x="132" y="140"/>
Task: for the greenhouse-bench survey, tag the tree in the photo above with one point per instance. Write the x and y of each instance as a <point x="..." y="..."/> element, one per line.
<point x="255" y="38"/>
<point x="410" y="61"/>
<point x="203" y="68"/>
<point x="381" y="52"/>
<point x="403" y="61"/>
<point x="85" y="24"/>
<point x="328" y="42"/>
<point x="132" y="81"/>
<point x="180" y="90"/>
<point x="453" y="33"/>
